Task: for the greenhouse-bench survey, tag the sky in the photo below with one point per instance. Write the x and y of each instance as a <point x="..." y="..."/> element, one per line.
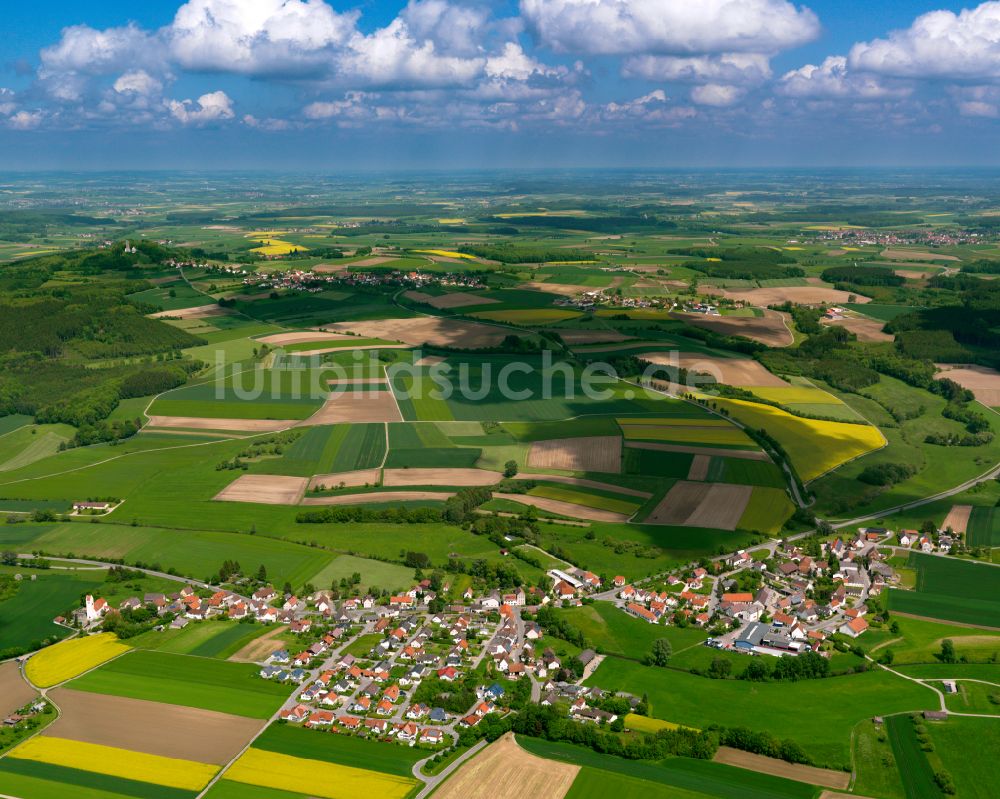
<point x="328" y="85"/>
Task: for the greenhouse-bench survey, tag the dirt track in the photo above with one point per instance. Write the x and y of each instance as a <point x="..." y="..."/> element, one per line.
<point x="590" y="454"/>
<point x="779" y="768"/>
<point x="566" y="508"/>
<point x="349" y="479"/>
<point x="440" y="477"/>
<point x="380" y="496"/>
<point x="236" y="425"/>
<point x="14" y="691"/>
<point x="203" y="736"/>
<point x="731" y="371"/>
<point x="743" y="454"/>
<point x="505" y="771"/>
<point x="357" y="407"/>
<point x="427" y="330"/>
<point x="264" y="489"/>
<point x="768" y="329"/>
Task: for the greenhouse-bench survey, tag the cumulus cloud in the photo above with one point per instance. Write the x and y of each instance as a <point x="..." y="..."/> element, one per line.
<point x="138" y="81"/>
<point x="939" y="44"/>
<point x="26" y="120"/>
<point x="834" y="78"/>
<point x="741" y="68"/>
<point x="669" y="27"/>
<point x="716" y="94"/>
<point x="7" y="104"/>
<point x="212" y="107"/>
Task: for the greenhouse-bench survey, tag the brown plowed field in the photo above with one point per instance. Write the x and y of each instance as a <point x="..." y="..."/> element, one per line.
<point x="957" y="518"/>
<point x="768" y="329"/>
<point x="259" y="648"/>
<point x="198" y="312"/>
<point x="800" y="295"/>
<point x="779" y="768"/>
<point x="14" y="691"/>
<point x="239" y="425"/>
<point x="591" y="454"/>
<point x="504" y="770"/>
<point x="731" y="371"/>
<point x="440" y="477"/>
<point x="427" y="330"/>
<point x="456" y="299"/>
<point x="349" y="479"/>
<point x="570" y="509"/>
<point x="699" y="467"/>
<point x="715" y="505"/>
<point x="264" y="489"/>
<point x="980" y="380"/>
<point x="865" y="329"/>
<point x="357" y="407"/>
<point x="300" y="337"/>
<point x="188" y="733"/>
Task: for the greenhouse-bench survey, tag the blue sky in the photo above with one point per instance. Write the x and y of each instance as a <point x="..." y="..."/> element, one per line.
<point x="308" y="84"/>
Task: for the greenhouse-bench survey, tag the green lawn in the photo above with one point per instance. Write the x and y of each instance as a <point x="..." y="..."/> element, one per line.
<point x="189" y="681"/>
<point x="613" y="631"/>
<point x="967" y="749"/>
<point x="374" y="573"/>
<point x="836" y="704"/>
<point x="875" y="764"/>
<point x="914" y="768"/>
<point x="26" y="618"/>
<point x="919" y="641"/>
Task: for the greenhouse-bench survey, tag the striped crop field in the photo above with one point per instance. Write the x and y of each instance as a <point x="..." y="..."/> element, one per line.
<point x="315" y="778"/>
<point x="588" y="500"/>
<point x="69" y="659"/>
<point x="113" y="762"/>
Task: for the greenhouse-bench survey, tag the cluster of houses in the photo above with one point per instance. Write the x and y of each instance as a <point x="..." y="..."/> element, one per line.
<point x="571" y="584"/>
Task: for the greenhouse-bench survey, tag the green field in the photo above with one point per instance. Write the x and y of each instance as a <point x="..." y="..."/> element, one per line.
<point x="374" y="573"/>
<point x="613" y="631"/>
<point x="916" y="771"/>
<point x="967" y="749"/>
<point x="951" y="589"/>
<point x="345" y="750"/>
<point x="984" y="527"/>
<point x="837" y="703"/>
<point x="29" y="778"/>
<point x="189" y="681"/>
<point x="919" y="641"/>
<point x="767" y="510"/>
<point x="701" y="777"/>
<point x="26" y="618"/>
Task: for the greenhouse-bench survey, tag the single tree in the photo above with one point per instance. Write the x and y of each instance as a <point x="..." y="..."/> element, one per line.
<point x="661" y="652"/>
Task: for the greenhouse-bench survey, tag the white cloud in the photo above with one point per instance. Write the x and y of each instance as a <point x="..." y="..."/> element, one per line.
<point x="834" y="78"/>
<point x="212" y="107"/>
<point x="26" y="120"/>
<point x="139" y="82"/>
<point x="716" y="94"/>
<point x="741" y="68"/>
<point x="257" y="37"/>
<point x="669" y="27"/>
<point x="456" y="29"/>
<point x="7" y="104"/>
<point x="83" y="49"/>
<point x="939" y="44"/>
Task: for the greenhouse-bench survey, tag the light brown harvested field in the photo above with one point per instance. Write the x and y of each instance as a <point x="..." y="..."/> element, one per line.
<point x="731" y="371"/>
<point x="591" y="454"/>
<point x="865" y="329"/>
<point x="301" y="337"/>
<point x="914" y="255"/>
<point x="591" y="336"/>
<point x="327" y="269"/>
<point x="430" y="360"/>
<point x="375" y="260"/>
<point x="457" y="299"/>
<point x="356" y="479"/>
<point x="715" y="505"/>
<point x="699" y="467"/>
<point x="722" y="508"/>
<point x="957" y="518"/>
<point x="980" y="380"/>
<point x="779" y="768"/>
<point x="357" y="406"/>
<point x="379" y="496"/>
<point x="241" y="425"/>
<point x="427" y="330"/>
<point x="769" y="329"/>
<point x="346" y="346"/>
<point x="584" y="483"/>
<point x="440" y="477"/>
<point x="503" y="770"/>
<point x="742" y="454"/>
<point x="198" y="312"/>
<point x="562" y="289"/>
<point x="800" y="295"/>
<point x="204" y="736"/>
<point x="14" y="691"/>
<point x="570" y="509"/>
<point x="264" y="489"/>
<point x="914" y="274"/>
<point x="259" y="648"/>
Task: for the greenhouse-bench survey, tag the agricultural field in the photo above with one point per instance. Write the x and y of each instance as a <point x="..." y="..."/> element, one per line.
<point x="952" y="590"/>
<point x="68" y="659"/>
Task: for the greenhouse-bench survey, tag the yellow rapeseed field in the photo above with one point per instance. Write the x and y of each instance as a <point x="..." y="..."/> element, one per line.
<point x="707" y="436"/>
<point x="448" y="254"/>
<point x="170" y="771"/>
<point x="647" y="724"/>
<point x="315" y="778"/>
<point x="56" y="664"/>
<point x="815" y="447"/>
<point x="797" y="395"/>
<point x="278" y="247"/>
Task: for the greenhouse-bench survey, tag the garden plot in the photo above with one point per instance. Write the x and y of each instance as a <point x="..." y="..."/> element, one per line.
<point x="204" y="736"/>
<point x="234" y="425"/>
<point x="357" y="407"/>
<point x="505" y="771"/>
<point x="355" y="479"/>
<point x="742" y="372"/>
<point x="769" y="329"/>
<point x="715" y="505"/>
<point x="440" y="477"/>
<point x="980" y="380"/>
<point x="591" y="454"/>
<point x="264" y="489"/>
<point x="427" y="330"/>
<point x="957" y="518"/>
<point x="380" y="497"/>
